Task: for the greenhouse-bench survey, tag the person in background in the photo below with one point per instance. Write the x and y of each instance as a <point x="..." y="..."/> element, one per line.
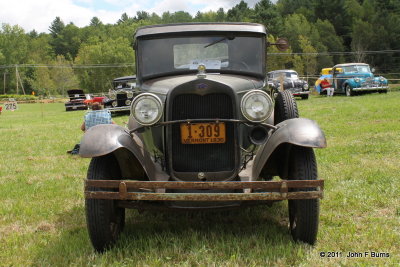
<point x="325" y="84"/>
<point x="94" y="117"/>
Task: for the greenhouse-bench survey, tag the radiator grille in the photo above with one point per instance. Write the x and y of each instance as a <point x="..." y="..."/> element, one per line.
<point x="202" y="157"/>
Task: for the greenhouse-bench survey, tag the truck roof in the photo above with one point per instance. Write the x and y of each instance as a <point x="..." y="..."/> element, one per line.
<point x="181" y="28"/>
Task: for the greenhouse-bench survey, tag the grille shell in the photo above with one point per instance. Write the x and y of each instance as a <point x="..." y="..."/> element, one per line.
<point x="203" y="157"/>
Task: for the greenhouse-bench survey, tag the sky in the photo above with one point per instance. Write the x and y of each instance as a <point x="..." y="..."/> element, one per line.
<point x="39" y="14"/>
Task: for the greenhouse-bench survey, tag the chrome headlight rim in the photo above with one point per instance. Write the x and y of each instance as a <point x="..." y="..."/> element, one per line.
<point x="112" y="95"/>
<point x="306" y="86"/>
<point x="246" y="97"/>
<point x="158" y="102"/>
<point x="129" y="94"/>
<point x="357" y="80"/>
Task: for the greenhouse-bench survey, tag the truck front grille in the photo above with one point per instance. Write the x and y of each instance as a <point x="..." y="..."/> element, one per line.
<point x="203" y="157"/>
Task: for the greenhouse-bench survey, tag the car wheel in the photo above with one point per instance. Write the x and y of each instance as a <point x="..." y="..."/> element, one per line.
<point x="105" y="220"/>
<point x="349" y="90"/>
<point x="303" y="213"/>
<point x="285" y="107"/>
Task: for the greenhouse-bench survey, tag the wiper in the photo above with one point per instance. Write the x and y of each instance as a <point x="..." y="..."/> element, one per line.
<point x="220" y="40"/>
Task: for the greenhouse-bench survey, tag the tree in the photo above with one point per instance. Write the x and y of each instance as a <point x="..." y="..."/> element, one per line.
<point x="95" y="22"/>
<point x="115" y="52"/>
<point x="63" y="75"/>
<point x="240" y="12"/>
<point x="362" y="33"/>
<point x="266" y="13"/>
<point x="56" y="27"/>
<point x="309" y="58"/>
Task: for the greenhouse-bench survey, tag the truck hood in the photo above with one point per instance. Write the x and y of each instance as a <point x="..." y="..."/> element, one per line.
<point x="238" y="83"/>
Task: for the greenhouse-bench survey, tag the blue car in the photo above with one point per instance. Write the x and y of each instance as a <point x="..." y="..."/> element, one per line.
<point x="353" y="78"/>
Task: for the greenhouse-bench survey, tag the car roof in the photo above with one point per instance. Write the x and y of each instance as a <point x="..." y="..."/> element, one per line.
<point x="125" y="78"/>
<point x="216" y="27"/>
<point x="277" y="71"/>
<point x="349" y="64"/>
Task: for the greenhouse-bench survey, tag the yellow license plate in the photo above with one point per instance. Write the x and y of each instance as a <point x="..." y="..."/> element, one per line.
<point x="203" y="133"/>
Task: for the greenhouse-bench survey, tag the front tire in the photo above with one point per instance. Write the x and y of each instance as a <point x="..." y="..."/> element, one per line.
<point x="285" y="107"/>
<point x="303" y="213"/>
<point x="105" y="220"/>
<point x="349" y="90"/>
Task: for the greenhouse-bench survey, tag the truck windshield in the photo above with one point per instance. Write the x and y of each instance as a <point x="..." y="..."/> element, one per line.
<point x="219" y="54"/>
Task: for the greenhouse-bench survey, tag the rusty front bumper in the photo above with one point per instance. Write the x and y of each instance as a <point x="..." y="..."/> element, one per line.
<point x="155" y="191"/>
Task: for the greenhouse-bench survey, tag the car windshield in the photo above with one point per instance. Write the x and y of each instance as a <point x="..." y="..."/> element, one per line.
<point x="356" y="69"/>
<point x="124" y="84"/>
<point x="288" y="75"/>
<point x="219" y="54"/>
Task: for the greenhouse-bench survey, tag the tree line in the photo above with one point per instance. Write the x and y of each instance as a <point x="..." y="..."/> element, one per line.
<point x="321" y="33"/>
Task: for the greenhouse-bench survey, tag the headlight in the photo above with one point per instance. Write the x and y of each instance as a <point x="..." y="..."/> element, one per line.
<point x="147" y="109"/>
<point x="381" y="79"/>
<point x="113" y="95"/>
<point x="357" y="80"/>
<point x="127" y="102"/>
<point x="129" y="94"/>
<point x="256" y="106"/>
<point x="305" y="86"/>
<point x="114" y="104"/>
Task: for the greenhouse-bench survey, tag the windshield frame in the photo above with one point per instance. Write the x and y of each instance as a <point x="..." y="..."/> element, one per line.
<point x="227" y="36"/>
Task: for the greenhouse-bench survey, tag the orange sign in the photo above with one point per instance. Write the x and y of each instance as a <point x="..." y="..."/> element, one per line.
<point x="203" y="133"/>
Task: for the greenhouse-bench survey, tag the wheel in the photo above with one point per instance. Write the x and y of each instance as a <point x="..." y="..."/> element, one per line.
<point x="105" y="220"/>
<point x="285" y="107"/>
<point x="303" y="213"/>
<point x="349" y="90"/>
<point x="304" y="97"/>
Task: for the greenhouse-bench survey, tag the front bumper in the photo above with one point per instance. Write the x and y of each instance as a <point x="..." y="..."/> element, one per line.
<point x="246" y="191"/>
<point x="116" y="109"/>
<point x="76" y="107"/>
<point x="371" y="88"/>
<point x="301" y="93"/>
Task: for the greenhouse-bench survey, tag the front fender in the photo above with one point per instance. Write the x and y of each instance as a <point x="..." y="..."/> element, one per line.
<point x="104" y="139"/>
<point x="298" y="131"/>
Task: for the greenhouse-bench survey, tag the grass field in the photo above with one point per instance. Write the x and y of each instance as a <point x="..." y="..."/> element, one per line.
<point x="42" y="220"/>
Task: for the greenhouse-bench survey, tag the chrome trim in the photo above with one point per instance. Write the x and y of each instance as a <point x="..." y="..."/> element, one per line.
<point x="247" y="95"/>
<point x="370" y="88"/>
<point x="165" y="123"/>
<point x="137" y="98"/>
<point x="118" y="108"/>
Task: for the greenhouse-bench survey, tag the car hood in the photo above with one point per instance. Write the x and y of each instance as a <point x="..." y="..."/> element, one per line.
<point x="237" y="82"/>
<point x="358" y="75"/>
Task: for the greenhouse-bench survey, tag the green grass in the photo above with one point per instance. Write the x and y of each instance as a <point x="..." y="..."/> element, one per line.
<point x="42" y="219"/>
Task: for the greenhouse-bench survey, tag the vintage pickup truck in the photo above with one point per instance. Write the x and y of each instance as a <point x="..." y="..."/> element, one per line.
<point x="203" y="133"/>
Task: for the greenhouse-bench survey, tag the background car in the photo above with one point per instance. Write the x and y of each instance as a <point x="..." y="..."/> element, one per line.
<point x="120" y="97"/>
<point x="352" y="78"/>
<point x="77" y="100"/>
<point x="95" y="99"/>
<point x="288" y="80"/>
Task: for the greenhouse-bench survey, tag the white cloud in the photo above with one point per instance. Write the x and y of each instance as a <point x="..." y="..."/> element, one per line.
<point x="39" y="14"/>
